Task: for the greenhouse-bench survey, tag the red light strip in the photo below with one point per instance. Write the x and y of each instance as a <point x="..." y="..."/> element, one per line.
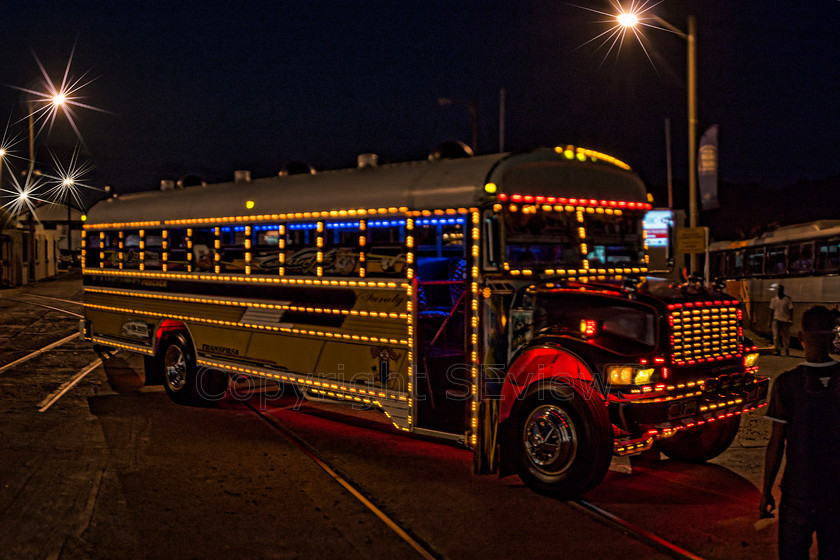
<point x="531" y="199"/>
<point x="690" y="304"/>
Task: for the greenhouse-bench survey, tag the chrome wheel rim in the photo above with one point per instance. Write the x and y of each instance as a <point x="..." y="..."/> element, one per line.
<point x="175" y="368"/>
<point x="550" y="439"/>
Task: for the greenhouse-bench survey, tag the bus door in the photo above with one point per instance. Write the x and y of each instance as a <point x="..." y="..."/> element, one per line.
<point x="443" y="375"/>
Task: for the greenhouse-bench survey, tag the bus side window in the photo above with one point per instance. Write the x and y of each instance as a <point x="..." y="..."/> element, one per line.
<point x="204" y="249"/>
<point x="776" y="260"/>
<point x="720" y="264"/>
<point x="110" y="249"/>
<point x="92" y="250"/>
<point x="440" y="237"/>
<point x="341" y="249"/>
<point x="177" y="250"/>
<point x="131" y="249"/>
<point x="265" y="249"/>
<point x="301" y="251"/>
<point x="153" y="249"/>
<point x="385" y="251"/>
<point x="828" y="255"/>
<point x="755" y="261"/>
<point x="801" y="258"/>
<point x="232" y="249"/>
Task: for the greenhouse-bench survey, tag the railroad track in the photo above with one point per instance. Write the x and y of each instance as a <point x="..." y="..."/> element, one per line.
<point x="45" y="347"/>
<point x="651" y="539"/>
<point x="24" y="329"/>
<point x="65" y="387"/>
<point x="52" y="307"/>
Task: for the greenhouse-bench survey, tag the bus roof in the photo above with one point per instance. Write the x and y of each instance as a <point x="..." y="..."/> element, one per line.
<point x="434" y="184"/>
<point x="796" y="232"/>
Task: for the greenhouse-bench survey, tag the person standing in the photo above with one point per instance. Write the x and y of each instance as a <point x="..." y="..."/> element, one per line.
<point x="805" y="410"/>
<point x="781" y="319"/>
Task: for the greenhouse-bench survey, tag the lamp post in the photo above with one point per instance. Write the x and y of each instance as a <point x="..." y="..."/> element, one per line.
<point x="31" y="244"/>
<point x="57" y="101"/>
<point x="69" y="183"/>
<point x="472" y="107"/>
<point x="631" y="20"/>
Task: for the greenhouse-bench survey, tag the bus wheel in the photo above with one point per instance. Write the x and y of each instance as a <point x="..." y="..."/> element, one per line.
<point x="179" y="371"/>
<point x="701" y="444"/>
<point x="564" y="443"/>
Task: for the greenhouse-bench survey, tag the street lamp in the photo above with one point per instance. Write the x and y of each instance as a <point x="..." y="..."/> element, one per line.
<point x="631" y="20"/>
<point x="2" y="157"/>
<point x="472" y="107"/>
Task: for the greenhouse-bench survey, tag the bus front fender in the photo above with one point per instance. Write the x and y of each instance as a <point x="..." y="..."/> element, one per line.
<point x="545" y="366"/>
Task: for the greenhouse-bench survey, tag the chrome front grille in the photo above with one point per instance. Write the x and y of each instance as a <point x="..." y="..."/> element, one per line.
<point x="705" y="331"/>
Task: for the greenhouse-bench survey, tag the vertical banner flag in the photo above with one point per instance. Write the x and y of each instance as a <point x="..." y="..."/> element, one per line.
<point x="707" y="168"/>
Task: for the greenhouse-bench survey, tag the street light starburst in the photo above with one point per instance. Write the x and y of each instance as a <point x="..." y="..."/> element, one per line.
<point x="8" y="146"/>
<point x="622" y="21"/>
<point x="23" y="196"/>
<point x="67" y="183"/>
<point x="63" y="96"/>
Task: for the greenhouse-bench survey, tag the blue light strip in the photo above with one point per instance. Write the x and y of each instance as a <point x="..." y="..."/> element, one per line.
<point x="342" y="225"/>
<point x="353" y="225"/>
<point x="440" y="221"/>
<point x="385" y="223"/>
<point x="302" y="226"/>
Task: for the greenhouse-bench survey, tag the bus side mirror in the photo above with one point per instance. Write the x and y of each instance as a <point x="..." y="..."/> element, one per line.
<point x="493" y="242"/>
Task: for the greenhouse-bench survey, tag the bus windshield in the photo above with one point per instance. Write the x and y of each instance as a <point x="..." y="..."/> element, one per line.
<point x="542" y="238"/>
<point x="563" y="239"/>
<point x="614" y="240"/>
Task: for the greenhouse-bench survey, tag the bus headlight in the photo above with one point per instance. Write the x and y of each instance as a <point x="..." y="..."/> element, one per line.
<point x="750" y="359"/>
<point x="633" y="374"/>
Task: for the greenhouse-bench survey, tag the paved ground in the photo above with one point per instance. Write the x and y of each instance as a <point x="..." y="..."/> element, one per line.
<point x="115" y="470"/>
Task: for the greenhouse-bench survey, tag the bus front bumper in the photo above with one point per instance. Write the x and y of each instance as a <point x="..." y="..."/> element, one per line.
<point x="657" y="416"/>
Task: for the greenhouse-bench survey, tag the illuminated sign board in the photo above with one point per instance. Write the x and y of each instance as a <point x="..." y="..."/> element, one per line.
<point x="657" y="224"/>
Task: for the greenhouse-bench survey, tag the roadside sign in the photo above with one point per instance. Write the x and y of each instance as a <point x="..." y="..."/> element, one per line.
<point x="691" y="240"/>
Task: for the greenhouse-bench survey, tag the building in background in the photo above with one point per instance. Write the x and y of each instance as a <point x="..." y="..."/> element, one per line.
<point x="34" y="249"/>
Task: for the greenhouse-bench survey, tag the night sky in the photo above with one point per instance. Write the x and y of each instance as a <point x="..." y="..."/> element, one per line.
<point x="209" y="87"/>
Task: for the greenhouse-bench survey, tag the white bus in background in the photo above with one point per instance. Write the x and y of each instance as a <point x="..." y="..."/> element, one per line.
<point x="804" y="258"/>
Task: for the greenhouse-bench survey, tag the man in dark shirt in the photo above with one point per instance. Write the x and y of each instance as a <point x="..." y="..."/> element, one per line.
<point x="805" y="410"/>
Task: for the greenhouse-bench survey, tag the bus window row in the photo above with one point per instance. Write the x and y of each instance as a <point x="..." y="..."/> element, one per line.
<point x="376" y="248"/>
<point x="784" y="259"/>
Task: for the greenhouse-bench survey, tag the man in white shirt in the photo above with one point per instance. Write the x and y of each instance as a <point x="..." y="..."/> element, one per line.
<point x="781" y="318"/>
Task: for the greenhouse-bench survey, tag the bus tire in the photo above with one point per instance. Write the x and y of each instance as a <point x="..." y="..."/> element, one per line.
<point x="179" y="370"/>
<point x="563" y="441"/>
<point x="701" y="444"/>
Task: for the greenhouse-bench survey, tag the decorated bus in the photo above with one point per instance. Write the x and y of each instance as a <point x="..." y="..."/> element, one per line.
<point x="500" y="301"/>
